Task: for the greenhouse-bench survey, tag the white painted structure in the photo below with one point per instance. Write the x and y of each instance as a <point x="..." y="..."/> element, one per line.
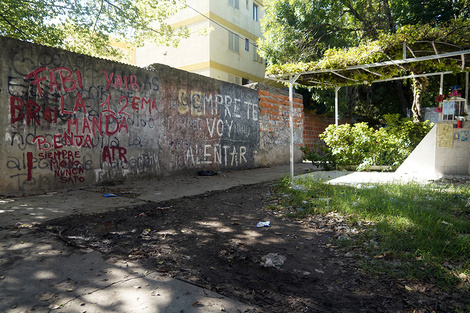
<point x="227" y="53"/>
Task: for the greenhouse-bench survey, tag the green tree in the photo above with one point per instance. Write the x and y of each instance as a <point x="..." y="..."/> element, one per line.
<point x="363" y="27"/>
<point x="301" y="30"/>
<point x="413" y="12"/>
<point x="89" y="26"/>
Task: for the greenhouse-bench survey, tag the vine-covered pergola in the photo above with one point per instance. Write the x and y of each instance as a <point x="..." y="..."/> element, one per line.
<point x="419" y="59"/>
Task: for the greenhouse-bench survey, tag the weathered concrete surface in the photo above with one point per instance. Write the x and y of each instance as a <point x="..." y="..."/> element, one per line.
<point x="422" y="161"/>
<point x="43" y="274"/>
<point x="71" y="121"/>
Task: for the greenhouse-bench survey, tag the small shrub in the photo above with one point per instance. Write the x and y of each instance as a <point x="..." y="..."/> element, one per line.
<point x="320" y="156"/>
<point x="364" y="146"/>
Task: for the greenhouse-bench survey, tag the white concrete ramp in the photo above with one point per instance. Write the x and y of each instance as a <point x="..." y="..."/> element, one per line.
<point x="422" y="161"/>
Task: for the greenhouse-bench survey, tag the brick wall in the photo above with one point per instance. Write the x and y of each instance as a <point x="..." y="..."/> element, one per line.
<point x="274" y="125"/>
<point x="314" y="125"/>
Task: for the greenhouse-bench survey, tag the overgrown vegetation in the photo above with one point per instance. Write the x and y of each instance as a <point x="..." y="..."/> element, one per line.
<point x="364" y="146"/>
<point x="408" y="231"/>
<point x="389" y="46"/>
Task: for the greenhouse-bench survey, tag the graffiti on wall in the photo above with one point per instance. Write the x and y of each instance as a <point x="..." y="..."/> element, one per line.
<point x="225" y="124"/>
<point x="71" y="119"/>
<point x="61" y="118"/>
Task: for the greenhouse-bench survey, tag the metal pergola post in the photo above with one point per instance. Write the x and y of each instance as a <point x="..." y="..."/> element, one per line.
<point x="466" y="88"/>
<point x="441" y="86"/>
<point x="336" y="105"/>
<point x="292" y="80"/>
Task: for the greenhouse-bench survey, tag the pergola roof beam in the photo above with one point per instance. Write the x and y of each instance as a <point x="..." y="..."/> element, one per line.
<point x="410" y="76"/>
<point x="374" y="73"/>
<point x="397" y="62"/>
<point x="342" y="76"/>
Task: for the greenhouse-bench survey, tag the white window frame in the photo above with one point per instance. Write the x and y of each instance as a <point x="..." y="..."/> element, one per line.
<point x="255" y="55"/>
<point x="234" y="4"/>
<point x="255" y="11"/>
<point x="233" y="42"/>
<point x="233" y="79"/>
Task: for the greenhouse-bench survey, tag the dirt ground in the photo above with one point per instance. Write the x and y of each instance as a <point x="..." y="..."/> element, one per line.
<point x="213" y="241"/>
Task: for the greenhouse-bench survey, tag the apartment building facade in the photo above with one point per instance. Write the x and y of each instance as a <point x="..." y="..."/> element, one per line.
<point x="227" y="53"/>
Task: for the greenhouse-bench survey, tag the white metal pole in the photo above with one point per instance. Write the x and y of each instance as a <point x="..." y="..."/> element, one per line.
<point x="291" y="121"/>
<point x="441" y="87"/>
<point x="292" y="80"/>
<point x="466" y="91"/>
<point x="336" y="105"/>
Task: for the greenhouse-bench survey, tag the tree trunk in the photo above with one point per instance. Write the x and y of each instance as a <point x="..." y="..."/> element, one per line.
<point x="419" y="88"/>
<point x="390" y="20"/>
<point x="402" y="97"/>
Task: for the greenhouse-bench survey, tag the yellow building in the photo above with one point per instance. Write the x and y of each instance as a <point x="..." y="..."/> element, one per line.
<point x="227" y="53"/>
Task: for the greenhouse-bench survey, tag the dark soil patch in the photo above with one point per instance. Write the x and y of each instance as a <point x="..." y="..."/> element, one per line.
<point x="212" y="241"/>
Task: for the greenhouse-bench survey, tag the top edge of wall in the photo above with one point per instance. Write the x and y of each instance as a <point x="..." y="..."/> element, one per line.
<point x="261" y="86"/>
<point x="152" y="67"/>
<point x="68" y="51"/>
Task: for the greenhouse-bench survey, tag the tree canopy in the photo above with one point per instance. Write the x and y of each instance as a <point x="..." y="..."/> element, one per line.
<point x="302" y="30"/>
<point x="87" y="26"/>
<point x="336" y="34"/>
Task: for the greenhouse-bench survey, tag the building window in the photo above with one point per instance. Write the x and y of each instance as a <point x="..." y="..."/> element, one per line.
<point x="234" y="79"/>
<point x="234" y="3"/>
<point x="247" y="44"/>
<point x="233" y="42"/>
<point x="255" y="11"/>
<point x="256" y="56"/>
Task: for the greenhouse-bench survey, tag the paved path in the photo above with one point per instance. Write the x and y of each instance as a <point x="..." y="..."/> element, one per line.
<point x="43" y="274"/>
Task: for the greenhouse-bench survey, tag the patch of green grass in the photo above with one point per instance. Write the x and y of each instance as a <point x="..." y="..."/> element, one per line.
<point x="422" y="231"/>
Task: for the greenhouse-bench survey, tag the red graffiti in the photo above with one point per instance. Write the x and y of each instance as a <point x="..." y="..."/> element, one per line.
<point x="79" y="103"/>
<point x="137" y="103"/>
<point x="65" y="164"/>
<point x="67" y="82"/>
<point x="17" y="114"/>
<point x="31" y="111"/>
<point x="37" y="79"/>
<point x="43" y="144"/>
<point x="109" y="154"/>
<point x="48" y="115"/>
<point x="29" y="162"/>
<point x="97" y="125"/>
<point x="59" y="155"/>
<point x="63" y="140"/>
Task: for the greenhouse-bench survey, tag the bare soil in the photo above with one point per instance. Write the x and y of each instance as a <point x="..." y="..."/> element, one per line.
<point x="213" y="241"/>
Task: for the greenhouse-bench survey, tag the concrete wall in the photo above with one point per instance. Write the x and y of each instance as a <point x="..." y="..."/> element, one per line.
<point x="452" y="149"/>
<point x="69" y="121"/>
<point x="444" y="151"/>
